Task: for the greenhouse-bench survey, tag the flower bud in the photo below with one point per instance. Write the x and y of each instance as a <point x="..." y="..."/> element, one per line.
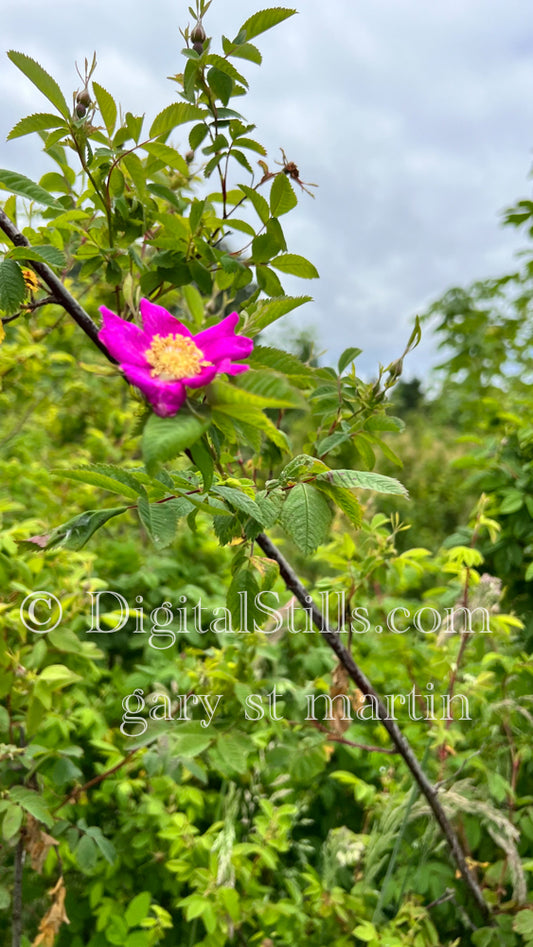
<point x="198" y="33"/>
<point x="83" y="98"/>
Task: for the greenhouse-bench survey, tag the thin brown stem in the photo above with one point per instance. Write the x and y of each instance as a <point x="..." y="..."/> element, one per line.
<point x="62" y="296"/>
<point x="332" y="638"/>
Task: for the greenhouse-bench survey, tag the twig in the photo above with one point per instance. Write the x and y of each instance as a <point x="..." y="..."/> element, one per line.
<point x="337" y="739"/>
<point x="55" y="285"/>
<point x="332" y="638"/>
<point x="92" y="782"/>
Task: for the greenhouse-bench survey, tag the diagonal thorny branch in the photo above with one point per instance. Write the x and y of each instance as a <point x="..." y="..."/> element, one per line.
<point x="61" y="295"/>
<point x="294" y="585"/>
<point x="332" y="638"/>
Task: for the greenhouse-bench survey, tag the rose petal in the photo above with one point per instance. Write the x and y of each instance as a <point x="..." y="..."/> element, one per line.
<point x="124" y="340"/>
<point x="231" y="368"/>
<point x="203" y="378"/>
<point x="166" y="397"/>
<point x="220" y="342"/>
<point x="159" y="321"/>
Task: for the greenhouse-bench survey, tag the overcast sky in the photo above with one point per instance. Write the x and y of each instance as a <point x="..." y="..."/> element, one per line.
<point x="415" y="118"/>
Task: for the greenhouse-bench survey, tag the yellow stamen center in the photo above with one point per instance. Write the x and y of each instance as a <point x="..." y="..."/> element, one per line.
<point x="174" y="357"/>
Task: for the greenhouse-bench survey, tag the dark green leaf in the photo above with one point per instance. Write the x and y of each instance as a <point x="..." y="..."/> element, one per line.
<point x="11" y="822"/>
<point x="264" y="247"/>
<point x="201" y="456"/>
<point x="224" y="66"/>
<point x="78" y="530"/>
<point x="12" y="286"/>
<point x="165" y="438"/>
<point x="32" y="802"/>
<point x="86" y="854"/>
<point x="268" y="281"/>
<point x="44" y="254"/>
<point x="306" y="517"/>
<point x="160" y="519"/>
<point x="239" y="500"/>
<point x="21" y="185"/>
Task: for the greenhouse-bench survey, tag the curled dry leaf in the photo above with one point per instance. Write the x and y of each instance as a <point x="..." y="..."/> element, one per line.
<point x="54" y="917"/>
<point x="37" y="843"/>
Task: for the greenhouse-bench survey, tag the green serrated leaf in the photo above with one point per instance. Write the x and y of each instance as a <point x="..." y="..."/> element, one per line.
<point x="107" y="106"/>
<point x="263" y="20"/>
<point x="364" y="480"/>
<point x="197" y="135"/>
<point x="170" y="156"/>
<point x="138" y="909"/>
<point x="344" y="499"/>
<point x="201" y="456"/>
<point x="239" y="500"/>
<point x="21" y="185"/>
<point x="221" y="84"/>
<point x="223" y="394"/>
<point x="224" y="66"/>
<point x="347" y="358"/>
<point x="173" y="115"/>
<point x="106" y="477"/>
<point x="58" y="676"/>
<point x="306" y="517"/>
<point x="86" y="854"/>
<point x="165" y="438"/>
<point x="242" y="50"/>
<point x="78" y="530"/>
<point x="300" y="468"/>
<point x="160" y="519"/>
<point x="11" y="822"/>
<point x="282" y="196"/>
<point x="37" y="122"/>
<point x="295" y="265"/>
<point x="32" y="802"/>
<point x="251" y="144"/>
<point x="268" y="281"/>
<point x="12" y="286"/>
<point x="41" y="79"/>
<point x="264" y="247"/>
<point x="269" y="311"/>
<point x="44" y="254"/>
<point x="258" y="202"/>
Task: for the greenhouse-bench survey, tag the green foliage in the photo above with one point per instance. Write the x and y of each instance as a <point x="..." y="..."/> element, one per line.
<point x="169" y="763"/>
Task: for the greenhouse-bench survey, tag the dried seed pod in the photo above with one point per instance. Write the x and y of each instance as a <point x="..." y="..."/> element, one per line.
<point x="83" y="98"/>
<point x="198" y="33"/>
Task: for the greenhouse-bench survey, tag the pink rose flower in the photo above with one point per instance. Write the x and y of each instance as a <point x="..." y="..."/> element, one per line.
<point x="163" y="358"/>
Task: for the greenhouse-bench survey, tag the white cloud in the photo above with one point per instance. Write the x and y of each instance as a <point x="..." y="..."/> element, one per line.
<point x="413" y="117"/>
